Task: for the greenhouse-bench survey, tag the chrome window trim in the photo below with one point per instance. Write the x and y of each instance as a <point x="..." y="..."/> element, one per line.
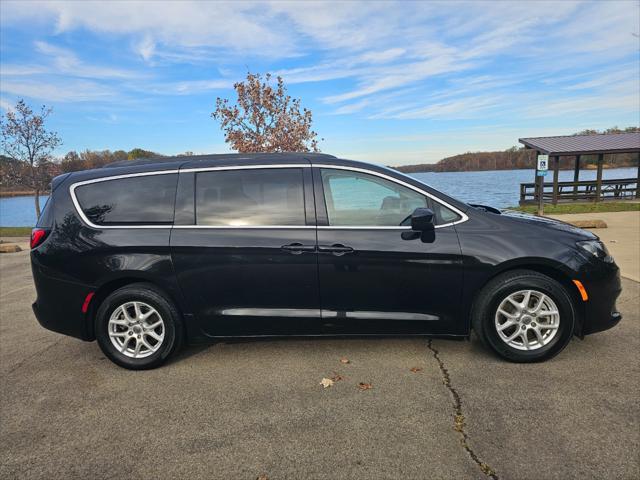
<point x="463" y="216"/>
<point x="246" y="167"/>
<point x="364" y="227"/>
<point x="246" y="227"/>
<point x="74" y="199"/>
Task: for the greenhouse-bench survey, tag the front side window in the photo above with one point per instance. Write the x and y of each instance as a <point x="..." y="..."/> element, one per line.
<point x="140" y="200"/>
<point x="361" y="199"/>
<point x="251" y="197"/>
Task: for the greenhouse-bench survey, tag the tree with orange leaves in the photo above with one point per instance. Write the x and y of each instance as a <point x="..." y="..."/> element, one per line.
<point x="265" y="118"/>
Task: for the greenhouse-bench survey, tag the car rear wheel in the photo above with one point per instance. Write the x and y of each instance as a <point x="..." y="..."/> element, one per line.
<point x="524" y="316"/>
<point x="138" y="328"/>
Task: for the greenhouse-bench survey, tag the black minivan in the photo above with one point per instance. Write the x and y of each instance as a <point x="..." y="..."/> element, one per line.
<point x="146" y="255"/>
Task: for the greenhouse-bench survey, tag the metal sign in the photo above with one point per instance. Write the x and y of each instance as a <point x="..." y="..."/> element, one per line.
<point x="541" y="173"/>
<point x="543" y="163"/>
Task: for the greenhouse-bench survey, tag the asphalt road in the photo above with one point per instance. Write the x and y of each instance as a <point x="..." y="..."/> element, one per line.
<point x="244" y="409"/>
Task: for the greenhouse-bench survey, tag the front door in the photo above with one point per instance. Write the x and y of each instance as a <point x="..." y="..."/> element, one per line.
<point x="248" y="266"/>
<point x="372" y="280"/>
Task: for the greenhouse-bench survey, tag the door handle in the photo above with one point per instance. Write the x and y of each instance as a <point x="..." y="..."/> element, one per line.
<point x="336" y="249"/>
<point x="297" y="248"/>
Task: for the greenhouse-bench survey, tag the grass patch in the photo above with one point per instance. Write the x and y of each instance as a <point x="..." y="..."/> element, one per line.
<point x="582" y="208"/>
<point x="15" y="231"/>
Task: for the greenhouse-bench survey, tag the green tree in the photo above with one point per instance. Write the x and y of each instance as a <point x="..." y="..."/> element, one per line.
<point x="140" y="153"/>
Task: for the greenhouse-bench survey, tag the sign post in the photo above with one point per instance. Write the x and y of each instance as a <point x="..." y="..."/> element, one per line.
<point x="542" y="167"/>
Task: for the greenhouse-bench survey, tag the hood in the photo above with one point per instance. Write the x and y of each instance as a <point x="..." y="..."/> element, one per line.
<point x="546" y="222"/>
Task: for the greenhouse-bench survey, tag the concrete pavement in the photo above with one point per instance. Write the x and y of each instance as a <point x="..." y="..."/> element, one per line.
<point x="246" y="408"/>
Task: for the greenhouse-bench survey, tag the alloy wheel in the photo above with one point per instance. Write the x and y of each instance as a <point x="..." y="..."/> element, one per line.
<point x="136" y="329"/>
<point x="527" y="320"/>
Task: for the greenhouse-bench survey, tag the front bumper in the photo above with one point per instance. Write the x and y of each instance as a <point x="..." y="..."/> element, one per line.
<point x="600" y="312"/>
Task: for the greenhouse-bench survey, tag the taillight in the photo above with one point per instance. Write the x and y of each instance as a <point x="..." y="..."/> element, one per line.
<point x="37" y="236"/>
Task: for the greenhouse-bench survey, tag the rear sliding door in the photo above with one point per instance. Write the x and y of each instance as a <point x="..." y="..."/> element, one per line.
<point x="244" y="250"/>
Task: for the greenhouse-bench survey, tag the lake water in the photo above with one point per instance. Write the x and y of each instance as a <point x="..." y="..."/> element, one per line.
<point x="499" y="188"/>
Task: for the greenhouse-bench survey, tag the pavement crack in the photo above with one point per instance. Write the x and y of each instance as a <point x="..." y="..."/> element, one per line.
<point x="458" y="417"/>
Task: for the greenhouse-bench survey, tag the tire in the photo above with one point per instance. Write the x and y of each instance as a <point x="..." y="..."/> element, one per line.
<point x="495" y="328"/>
<point x="130" y="341"/>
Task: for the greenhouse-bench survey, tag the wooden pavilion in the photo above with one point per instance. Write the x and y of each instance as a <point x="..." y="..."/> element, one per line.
<point x="578" y="146"/>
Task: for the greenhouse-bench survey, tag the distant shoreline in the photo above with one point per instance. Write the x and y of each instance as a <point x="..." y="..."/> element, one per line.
<point x="20" y="193"/>
<point x="432" y="168"/>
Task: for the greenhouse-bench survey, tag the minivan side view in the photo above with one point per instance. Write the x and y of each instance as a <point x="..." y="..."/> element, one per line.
<point x="146" y="255"/>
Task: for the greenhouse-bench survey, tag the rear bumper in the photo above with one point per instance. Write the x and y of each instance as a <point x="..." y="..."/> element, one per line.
<point x="58" y="306"/>
<point x="600" y="312"/>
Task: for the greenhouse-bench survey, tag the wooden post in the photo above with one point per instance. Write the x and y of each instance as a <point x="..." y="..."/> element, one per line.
<point x="599" y="178"/>
<point x="638" y="179"/>
<point x="556" y="169"/>
<point x="576" y="174"/>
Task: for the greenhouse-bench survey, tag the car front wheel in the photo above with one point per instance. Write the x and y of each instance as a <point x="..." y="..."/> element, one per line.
<point x="524" y="316"/>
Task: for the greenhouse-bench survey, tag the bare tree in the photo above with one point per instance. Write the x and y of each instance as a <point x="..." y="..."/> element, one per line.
<point x="26" y="141"/>
<point x="265" y="118"/>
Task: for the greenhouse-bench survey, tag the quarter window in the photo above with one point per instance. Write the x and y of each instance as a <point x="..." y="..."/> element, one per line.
<point x="251" y="197"/>
<point x="141" y="200"/>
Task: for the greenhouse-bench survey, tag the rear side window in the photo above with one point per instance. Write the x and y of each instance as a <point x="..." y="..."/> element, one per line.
<point x="252" y="197"/>
<point x="142" y="200"/>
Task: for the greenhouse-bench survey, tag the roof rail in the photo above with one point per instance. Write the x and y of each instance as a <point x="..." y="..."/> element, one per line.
<point x="218" y="156"/>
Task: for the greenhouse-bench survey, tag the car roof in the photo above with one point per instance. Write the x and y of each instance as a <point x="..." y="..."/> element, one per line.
<point x="128" y="167"/>
<point x="233" y="159"/>
<point x="222" y="159"/>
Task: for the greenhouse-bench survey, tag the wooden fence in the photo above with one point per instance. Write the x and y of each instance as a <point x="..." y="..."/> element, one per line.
<point x="587" y="190"/>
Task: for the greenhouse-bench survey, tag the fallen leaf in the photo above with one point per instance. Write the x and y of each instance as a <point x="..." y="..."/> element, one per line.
<point x="262" y="477"/>
<point x="326" y="382"/>
<point x="365" y="386"/>
<point x="415" y="369"/>
<point x="336" y="377"/>
<point x="344" y="360"/>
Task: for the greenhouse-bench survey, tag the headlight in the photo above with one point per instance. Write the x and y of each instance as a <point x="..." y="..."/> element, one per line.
<point x="597" y="249"/>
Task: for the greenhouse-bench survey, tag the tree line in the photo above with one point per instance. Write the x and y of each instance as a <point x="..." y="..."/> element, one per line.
<point x="516" y="158"/>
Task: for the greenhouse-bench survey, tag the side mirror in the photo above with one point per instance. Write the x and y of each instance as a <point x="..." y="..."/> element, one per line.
<point x="422" y="220"/>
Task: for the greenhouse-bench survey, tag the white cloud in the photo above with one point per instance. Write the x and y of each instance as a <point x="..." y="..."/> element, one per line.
<point x="146" y="47"/>
<point x="191" y="87"/>
<point x="400" y="60"/>
<point x="5" y="105"/>
<point x="238" y="26"/>
<point x="59" y="61"/>
<point x="59" y="91"/>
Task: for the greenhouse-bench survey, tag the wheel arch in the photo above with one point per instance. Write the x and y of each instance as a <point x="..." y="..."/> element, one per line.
<point x="110" y="286"/>
<point x="555" y="270"/>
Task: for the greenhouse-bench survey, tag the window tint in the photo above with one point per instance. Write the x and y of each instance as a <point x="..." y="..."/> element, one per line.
<point x="360" y="199"/>
<point x="355" y="198"/>
<point x="46" y="217"/>
<point x="252" y="197"/>
<point x="444" y="215"/>
<point x="144" y="200"/>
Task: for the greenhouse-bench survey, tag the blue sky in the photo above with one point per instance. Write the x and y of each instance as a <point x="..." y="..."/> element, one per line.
<point x="388" y="82"/>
